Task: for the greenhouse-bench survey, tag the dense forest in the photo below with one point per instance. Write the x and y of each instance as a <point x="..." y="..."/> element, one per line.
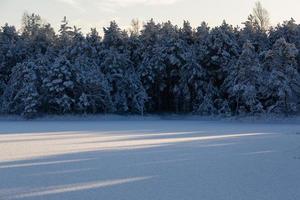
<point x="161" y="68"/>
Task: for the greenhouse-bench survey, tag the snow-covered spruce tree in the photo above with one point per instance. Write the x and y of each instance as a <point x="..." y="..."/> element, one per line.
<point x="244" y="82"/>
<point x="21" y="95"/>
<point x="281" y="89"/>
<point x="59" y="86"/>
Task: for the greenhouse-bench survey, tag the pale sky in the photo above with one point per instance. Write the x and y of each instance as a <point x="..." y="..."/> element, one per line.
<point x="98" y="13"/>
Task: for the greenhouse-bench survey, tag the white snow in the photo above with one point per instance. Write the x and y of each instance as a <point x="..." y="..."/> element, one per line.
<point x="151" y="159"/>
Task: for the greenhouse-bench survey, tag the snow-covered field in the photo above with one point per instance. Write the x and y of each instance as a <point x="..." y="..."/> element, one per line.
<point x="149" y="159"/>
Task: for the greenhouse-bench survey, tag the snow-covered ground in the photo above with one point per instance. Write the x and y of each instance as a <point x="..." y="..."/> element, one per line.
<point x="149" y="159"/>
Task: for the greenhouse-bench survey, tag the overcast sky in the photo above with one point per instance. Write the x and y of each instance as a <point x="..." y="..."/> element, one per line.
<point x="98" y="13"/>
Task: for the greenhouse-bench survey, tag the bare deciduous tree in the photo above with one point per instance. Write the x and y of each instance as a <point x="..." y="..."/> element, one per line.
<point x="261" y="16"/>
<point x="135" y="27"/>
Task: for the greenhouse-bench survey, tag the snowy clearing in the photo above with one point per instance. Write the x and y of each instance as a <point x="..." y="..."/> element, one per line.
<point x="149" y="160"/>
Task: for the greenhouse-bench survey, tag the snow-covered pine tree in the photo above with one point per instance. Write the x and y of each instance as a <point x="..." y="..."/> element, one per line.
<point x="186" y="33"/>
<point x="206" y="104"/>
<point x="170" y="49"/>
<point x="288" y="30"/>
<point x="244" y="82"/>
<point x="150" y="35"/>
<point x="253" y="33"/>
<point x="201" y="44"/>
<point x="93" y="46"/>
<point x="93" y="93"/>
<point x="37" y="35"/>
<point x="59" y="85"/>
<point x="127" y="93"/>
<point x="194" y="78"/>
<point x="9" y="40"/>
<point x="160" y="66"/>
<point x="192" y="83"/>
<point x="66" y="34"/>
<point x="93" y="90"/>
<point x="114" y="37"/>
<point x="150" y="67"/>
<point x="134" y="43"/>
<point x="281" y="88"/>
<point x="223" y="51"/>
<point x="205" y="101"/>
<point x="21" y="96"/>
<point x="76" y="47"/>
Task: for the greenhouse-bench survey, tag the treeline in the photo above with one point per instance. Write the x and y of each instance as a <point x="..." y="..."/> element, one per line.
<point x="224" y="70"/>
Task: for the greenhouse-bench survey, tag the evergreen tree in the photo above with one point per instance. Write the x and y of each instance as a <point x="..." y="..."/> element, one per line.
<point x="37" y="36"/>
<point x="127" y="93"/>
<point x="21" y="96"/>
<point x="65" y="37"/>
<point x="223" y="51"/>
<point x="114" y="37"/>
<point x="161" y="68"/>
<point x="282" y="89"/>
<point x="59" y="85"/>
<point x="244" y="82"/>
<point x="186" y="33"/>
<point x="93" y="93"/>
<point x="93" y="45"/>
<point x="192" y="84"/>
<point x="290" y="31"/>
<point x="151" y="67"/>
<point x="202" y="35"/>
<point x="207" y="103"/>
<point x="253" y="33"/>
<point x="9" y="54"/>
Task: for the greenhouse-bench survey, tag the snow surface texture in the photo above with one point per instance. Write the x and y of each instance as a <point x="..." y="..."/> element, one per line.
<point x="149" y="160"/>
